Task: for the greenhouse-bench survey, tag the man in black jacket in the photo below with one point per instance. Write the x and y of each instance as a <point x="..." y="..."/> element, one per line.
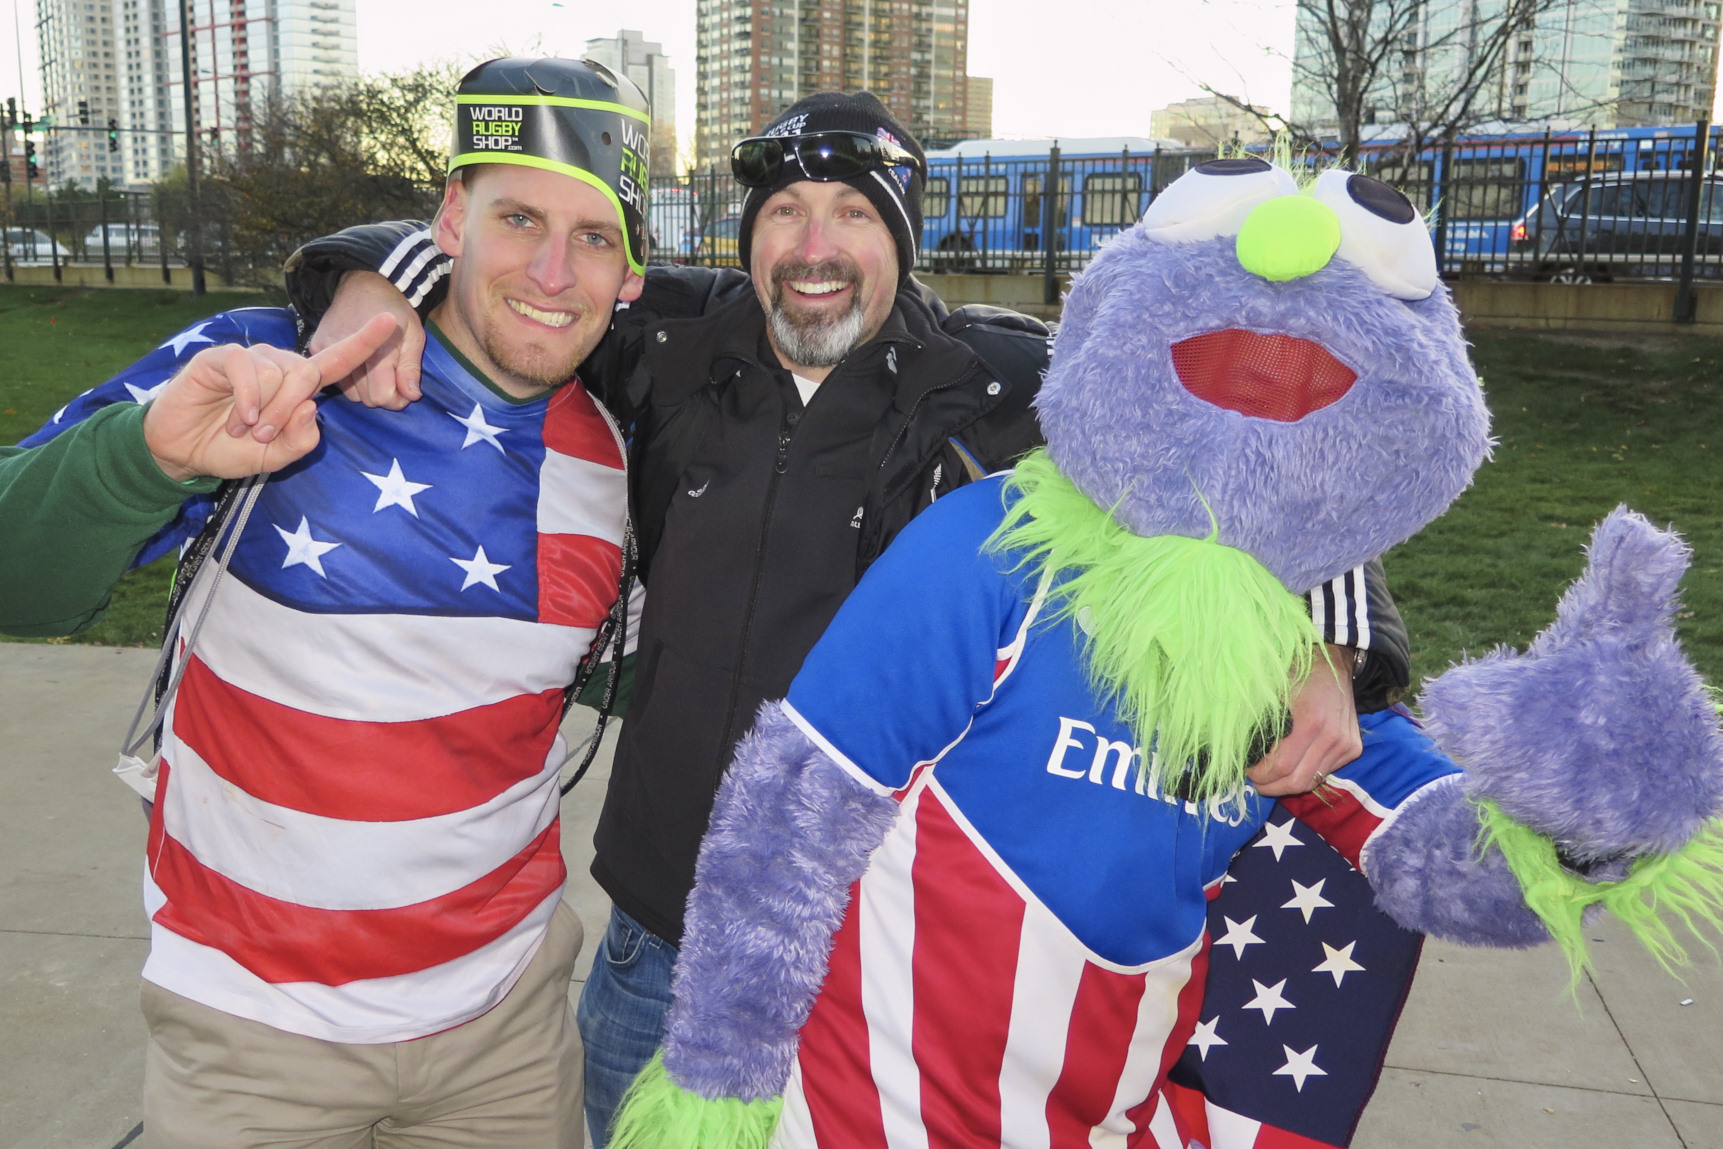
<point x="784" y="430"/>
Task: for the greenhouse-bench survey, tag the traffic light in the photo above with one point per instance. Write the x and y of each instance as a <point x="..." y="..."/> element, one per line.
<point x="30" y="169"/>
<point x="11" y="112"/>
<point x="84" y="113"/>
<point x="113" y="134"/>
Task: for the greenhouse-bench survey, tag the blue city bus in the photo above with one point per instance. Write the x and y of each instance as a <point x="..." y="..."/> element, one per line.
<point x="1502" y="203"/>
<point x="984" y="210"/>
<point x="1479" y="190"/>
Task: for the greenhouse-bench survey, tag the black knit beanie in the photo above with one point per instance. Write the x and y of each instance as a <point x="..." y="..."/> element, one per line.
<point x="897" y="197"/>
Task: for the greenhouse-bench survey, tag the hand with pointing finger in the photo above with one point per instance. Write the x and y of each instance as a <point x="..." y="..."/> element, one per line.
<point x="236" y="411"/>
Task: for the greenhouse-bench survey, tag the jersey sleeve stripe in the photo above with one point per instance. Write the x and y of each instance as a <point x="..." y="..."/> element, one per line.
<point x="418" y="295"/>
<point x="280" y="941"/>
<point x="1391" y="816"/>
<point x="832" y="752"/>
<point x="326" y="863"/>
<point x="574" y="425"/>
<point x="580" y="497"/>
<point x="414" y="241"/>
<point x="577" y="579"/>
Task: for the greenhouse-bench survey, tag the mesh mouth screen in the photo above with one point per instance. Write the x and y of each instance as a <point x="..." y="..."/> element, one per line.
<point x="1264" y="376"/>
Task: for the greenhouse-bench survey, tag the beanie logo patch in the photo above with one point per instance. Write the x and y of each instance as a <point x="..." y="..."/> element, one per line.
<point x="900" y="174"/>
<point x="791" y="126"/>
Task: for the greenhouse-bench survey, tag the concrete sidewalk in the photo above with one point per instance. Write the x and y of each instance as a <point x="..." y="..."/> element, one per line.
<point x="1491" y="1051"/>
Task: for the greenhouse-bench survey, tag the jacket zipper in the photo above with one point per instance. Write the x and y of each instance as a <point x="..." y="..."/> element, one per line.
<point x="786" y="430"/>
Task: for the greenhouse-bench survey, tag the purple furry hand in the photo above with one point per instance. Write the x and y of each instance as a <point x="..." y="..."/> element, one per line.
<point x="1601" y="735"/>
<point x="791" y="832"/>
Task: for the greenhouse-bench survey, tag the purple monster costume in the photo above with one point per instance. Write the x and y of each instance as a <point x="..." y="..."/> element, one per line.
<point x="953" y="894"/>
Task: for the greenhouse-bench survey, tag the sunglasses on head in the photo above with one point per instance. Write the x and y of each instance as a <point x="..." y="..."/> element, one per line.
<point x="759" y="161"/>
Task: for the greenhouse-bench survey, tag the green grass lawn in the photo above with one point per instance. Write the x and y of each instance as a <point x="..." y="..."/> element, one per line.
<point x="1583" y="425"/>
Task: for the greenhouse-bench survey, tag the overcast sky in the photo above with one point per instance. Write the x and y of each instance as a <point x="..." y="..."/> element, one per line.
<point x="1096" y="71"/>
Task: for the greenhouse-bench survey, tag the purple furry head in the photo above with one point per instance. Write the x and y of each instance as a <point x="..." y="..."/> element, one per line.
<point x="1308" y="497"/>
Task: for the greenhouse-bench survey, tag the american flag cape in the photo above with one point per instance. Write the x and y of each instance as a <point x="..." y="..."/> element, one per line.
<point x="1026" y="957"/>
<point x="355" y="835"/>
<point x="1306" y="979"/>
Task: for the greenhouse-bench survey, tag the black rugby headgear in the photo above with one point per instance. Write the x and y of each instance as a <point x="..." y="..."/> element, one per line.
<point x="576" y="117"/>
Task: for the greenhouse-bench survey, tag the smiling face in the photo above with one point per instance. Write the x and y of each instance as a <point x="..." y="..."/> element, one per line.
<point x="539" y="266"/>
<point x="825" y="269"/>
<point x="1295" y="368"/>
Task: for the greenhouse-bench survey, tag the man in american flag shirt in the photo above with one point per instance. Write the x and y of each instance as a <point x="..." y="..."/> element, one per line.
<point x="354" y="872"/>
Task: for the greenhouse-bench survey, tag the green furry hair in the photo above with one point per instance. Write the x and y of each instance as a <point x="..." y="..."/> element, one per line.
<point x="1195" y="643"/>
<point x="1687" y="884"/>
<point x="657" y="1113"/>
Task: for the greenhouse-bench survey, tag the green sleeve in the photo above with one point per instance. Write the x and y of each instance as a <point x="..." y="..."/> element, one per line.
<point x="73" y="514"/>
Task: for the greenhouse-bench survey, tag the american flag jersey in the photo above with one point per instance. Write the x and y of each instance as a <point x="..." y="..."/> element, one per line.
<point x="1025" y="957"/>
<point x="355" y="835"/>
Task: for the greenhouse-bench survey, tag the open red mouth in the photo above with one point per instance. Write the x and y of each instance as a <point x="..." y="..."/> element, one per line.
<point x="1264" y="376"/>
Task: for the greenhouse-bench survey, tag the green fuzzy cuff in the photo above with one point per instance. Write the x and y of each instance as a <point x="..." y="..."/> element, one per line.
<point x="657" y="1113"/>
<point x="1687" y="884"/>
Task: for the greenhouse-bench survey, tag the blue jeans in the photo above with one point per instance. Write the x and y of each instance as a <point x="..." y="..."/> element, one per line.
<point x="621" y="1015"/>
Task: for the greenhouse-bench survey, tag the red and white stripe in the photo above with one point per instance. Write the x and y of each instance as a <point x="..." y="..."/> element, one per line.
<point x="582" y="505"/>
<point x="1184" y="1117"/>
<point x="959" y="1012"/>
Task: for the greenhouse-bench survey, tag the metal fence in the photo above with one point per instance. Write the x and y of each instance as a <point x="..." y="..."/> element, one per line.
<point x="1576" y="207"/>
<point x="116" y="229"/>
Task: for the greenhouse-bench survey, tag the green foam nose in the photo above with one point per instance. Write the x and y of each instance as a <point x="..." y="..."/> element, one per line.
<point x="1288" y="238"/>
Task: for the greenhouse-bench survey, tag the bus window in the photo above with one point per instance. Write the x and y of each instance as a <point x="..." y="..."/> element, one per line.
<point x="1110" y="198"/>
<point x="936" y="200"/>
<point x="1492" y="188"/>
<point x="980" y="196"/>
<point x="1032" y="201"/>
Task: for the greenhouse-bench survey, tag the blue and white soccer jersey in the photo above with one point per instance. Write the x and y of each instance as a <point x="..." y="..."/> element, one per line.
<point x="1025" y="956"/>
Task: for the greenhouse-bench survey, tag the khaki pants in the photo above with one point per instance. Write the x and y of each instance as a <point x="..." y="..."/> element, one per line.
<point x="510" y="1079"/>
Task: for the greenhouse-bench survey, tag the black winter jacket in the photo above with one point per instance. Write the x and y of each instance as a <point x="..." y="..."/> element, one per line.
<point x="756" y="516"/>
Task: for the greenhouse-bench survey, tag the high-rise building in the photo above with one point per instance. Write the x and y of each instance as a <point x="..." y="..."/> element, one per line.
<point x="122" y="59"/>
<point x="80" y="90"/>
<point x="757" y="57"/>
<point x="1205" y="122"/>
<point x="1597" y="63"/>
<point x="978" y="124"/>
<point x="645" y="63"/>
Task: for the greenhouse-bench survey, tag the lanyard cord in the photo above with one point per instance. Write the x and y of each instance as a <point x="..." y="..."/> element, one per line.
<point x="167" y="685"/>
<point x="612" y="635"/>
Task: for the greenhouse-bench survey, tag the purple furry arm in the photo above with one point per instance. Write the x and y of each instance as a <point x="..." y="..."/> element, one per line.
<point x="791" y="831"/>
<point x="1429" y="877"/>
<point x="1601" y="735"/>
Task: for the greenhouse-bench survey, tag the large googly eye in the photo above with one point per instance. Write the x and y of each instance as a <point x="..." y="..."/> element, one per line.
<point x="1213" y="199"/>
<point x="1381" y="233"/>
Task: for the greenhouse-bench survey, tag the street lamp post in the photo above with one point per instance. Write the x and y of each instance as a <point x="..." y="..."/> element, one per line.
<point x="194" y="253"/>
